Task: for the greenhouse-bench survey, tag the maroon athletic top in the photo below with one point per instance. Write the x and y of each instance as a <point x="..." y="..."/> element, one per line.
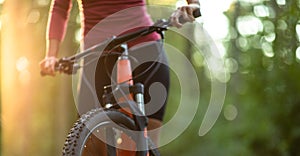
<point x="101" y="19"/>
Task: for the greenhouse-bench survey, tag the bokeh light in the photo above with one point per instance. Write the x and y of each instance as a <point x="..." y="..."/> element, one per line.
<point x="230" y="112"/>
<point x="249" y="25"/>
<point x="268" y="26"/>
<point x="33" y="16"/>
<point x="242" y="43"/>
<point x="261" y="11"/>
<point x="270" y="37"/>
<point x="231" y="65"/>
<point x="267" y="49"/>
<point x="298" y="30"/>
<point x="22" y="63"/>
<point x="281" y="2"/>
<point x="43" y="2"/>
<point x="298" y="54"/>
<point x="78" y="35"/>
<point x="282" y="25"/>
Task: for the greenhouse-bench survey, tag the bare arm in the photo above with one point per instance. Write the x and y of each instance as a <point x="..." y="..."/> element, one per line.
<point x="48" y="63"/>
<point x="52" y="47"/>
<point x="59" y="13"/>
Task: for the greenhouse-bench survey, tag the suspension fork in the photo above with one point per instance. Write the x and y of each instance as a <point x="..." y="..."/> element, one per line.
<point x="138" y="91"/>
<point x="124" y="76"/>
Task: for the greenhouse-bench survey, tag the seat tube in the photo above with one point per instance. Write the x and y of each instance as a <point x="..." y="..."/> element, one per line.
<point x="124" y="77"/>
<point x="124" y="71"/>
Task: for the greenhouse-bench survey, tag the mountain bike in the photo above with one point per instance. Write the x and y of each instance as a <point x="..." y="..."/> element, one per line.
<point x="121" y="124"/>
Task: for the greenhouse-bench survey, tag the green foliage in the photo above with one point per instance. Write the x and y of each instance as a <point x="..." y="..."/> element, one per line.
<point x="264" y="89"/>
<point x="268" y="70"/>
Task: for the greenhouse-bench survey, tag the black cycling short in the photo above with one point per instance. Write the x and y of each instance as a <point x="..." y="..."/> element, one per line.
<point x="150" y="67"/>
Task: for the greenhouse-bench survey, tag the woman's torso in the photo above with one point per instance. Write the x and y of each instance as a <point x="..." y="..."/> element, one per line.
<point x="105" y="18"/>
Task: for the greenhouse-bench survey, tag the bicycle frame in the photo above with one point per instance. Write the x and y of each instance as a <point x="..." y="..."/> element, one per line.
<point x="132" y="94"/>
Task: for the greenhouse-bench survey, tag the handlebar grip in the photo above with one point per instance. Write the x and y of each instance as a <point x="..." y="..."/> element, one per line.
<point x="196" y="13"/>
<point x="55" y="69"/>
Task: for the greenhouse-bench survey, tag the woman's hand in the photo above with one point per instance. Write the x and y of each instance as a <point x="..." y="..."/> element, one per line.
<point x="183" y="14"/>
<point x="48" y="66"/>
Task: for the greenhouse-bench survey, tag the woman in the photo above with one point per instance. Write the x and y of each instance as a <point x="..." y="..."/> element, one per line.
<point x="102" y="19"/>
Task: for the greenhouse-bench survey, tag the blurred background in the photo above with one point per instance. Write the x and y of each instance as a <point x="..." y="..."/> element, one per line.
<point x="257" y="39"/>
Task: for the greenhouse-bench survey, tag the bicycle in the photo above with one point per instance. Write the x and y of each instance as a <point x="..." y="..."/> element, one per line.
<point x="113" y="123"/>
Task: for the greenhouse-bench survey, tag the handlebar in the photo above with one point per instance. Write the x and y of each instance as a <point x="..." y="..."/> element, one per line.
<point x="69" y="65"/>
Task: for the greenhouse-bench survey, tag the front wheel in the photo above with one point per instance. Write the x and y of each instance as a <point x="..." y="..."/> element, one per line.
<point x="99" y="132"/>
